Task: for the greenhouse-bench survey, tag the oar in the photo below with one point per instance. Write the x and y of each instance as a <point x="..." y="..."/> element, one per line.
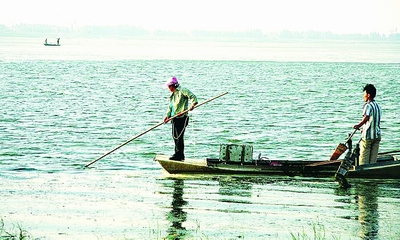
<point x="155" y="126"/>
<point x="341" y="148"/>
<point x="345" y="165"/>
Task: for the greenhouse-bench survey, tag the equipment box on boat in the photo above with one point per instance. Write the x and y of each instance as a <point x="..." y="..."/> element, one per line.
<point x="236" y="153"/>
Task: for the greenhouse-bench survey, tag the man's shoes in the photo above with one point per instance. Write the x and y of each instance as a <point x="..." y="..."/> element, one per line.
<point x="177" y="158"/>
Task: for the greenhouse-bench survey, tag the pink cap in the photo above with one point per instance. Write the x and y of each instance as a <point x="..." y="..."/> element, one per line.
<point x="171" y="81"/>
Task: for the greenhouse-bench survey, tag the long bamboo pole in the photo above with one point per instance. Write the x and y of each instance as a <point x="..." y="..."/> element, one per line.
<point x="155" y="126"/>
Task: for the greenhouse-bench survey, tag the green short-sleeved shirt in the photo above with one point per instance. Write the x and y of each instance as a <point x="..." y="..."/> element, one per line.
<point x="179" y="101"/>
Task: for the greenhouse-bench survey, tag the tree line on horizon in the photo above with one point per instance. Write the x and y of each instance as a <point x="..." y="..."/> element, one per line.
<point x="127" y="31"/>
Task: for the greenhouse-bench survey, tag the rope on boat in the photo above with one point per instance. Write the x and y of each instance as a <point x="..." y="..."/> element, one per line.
<point x="183" y="129"/>
<point x="262" y="159"/>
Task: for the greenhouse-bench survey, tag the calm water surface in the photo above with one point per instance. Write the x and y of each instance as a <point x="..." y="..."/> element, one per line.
<point x="64" y="107"/>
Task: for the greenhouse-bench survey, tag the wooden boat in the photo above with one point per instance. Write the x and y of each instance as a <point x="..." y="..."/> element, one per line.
<point x="387" y="167"/>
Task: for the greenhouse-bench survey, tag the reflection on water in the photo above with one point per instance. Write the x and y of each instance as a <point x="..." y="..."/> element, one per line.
<point x="234" y="187"/>
<point x="177" y="216"/>
<point x="260" y="208"/>
<point x="363" y="199"/>
<point x="368" y="209"/>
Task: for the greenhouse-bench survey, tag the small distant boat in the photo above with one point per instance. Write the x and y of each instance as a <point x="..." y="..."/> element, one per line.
<point x="52" y="44"/>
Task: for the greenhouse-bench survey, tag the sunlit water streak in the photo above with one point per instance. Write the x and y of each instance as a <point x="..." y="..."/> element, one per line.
<point x="63" y="109"/>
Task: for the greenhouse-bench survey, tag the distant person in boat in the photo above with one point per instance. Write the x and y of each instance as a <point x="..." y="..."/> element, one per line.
<point x="178" y="103"/>
<point x="370" y="127"/>
<point x="58" y="41"/>
<point x="45" y="41"/>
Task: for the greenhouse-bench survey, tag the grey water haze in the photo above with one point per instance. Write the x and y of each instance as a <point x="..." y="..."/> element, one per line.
<point x="63" y="107"/>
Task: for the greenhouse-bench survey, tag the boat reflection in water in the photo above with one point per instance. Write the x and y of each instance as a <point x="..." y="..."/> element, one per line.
<point x="231" y="188"/>
<point x="260" y="208"/>
<point x="177" y="216"/>
<point x="368" y="209"/>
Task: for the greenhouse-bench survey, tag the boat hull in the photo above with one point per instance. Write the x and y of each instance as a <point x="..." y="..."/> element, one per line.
<point x="384" y="169"/>
<point x="52" y="44"/>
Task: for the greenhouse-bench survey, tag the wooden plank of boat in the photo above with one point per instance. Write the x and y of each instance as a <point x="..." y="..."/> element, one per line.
<point x="381" y="158"/>
<point x="320" y="163"/>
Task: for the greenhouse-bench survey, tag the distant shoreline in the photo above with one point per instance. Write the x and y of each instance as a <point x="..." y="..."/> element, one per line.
<point x="132" y="32"/>
<point x="209" y="39"/>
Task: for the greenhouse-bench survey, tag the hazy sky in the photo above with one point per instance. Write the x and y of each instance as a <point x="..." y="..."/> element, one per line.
<point x="337" y="16"/>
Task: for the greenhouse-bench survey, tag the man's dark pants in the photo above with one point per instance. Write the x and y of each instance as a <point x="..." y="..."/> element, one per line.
<point x="178" y="132"/>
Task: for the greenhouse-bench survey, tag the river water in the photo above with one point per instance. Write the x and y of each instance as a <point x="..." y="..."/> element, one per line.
<point x="63" y="107"/>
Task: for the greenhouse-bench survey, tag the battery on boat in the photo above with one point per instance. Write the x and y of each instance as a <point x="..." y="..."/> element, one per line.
<point x="236" y="153"/>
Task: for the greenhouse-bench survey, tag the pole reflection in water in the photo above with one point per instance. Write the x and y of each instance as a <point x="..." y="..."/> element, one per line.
<point x="368" y="210"/>
<point x="177" y="216"/>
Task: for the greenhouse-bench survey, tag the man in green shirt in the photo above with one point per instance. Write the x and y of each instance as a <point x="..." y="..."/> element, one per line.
<point x="178" y="103"/>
